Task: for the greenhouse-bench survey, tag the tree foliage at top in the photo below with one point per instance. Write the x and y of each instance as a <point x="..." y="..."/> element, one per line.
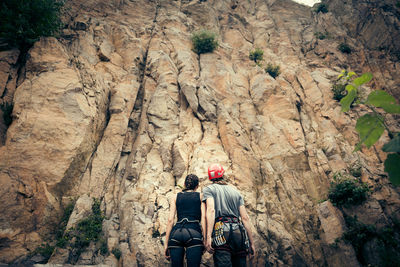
<point x="25" y="21"/>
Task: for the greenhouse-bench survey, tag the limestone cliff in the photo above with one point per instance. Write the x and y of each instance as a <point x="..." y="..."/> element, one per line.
<point x="120" y="108"/>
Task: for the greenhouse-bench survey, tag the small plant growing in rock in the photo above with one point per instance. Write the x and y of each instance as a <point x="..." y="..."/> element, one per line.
<point x="117" y="253"/>
<point x="204" y="41"/>
<point x="103" y="247"/>
<point x="339" y="91"/>
<point x="273" y="70"/>
<point x="344" y="48"/>
<point x="25" y="21"/>
<point x="358" y="234"/>
<point x="355" y="171"/>
<point x="257" y="56"/>
<point x="320" y="35"/>
<point x="346" y="191"/>
<point x="45" y="250"/>
<point x="321" y="7"/>
<point x="7" y="112"/>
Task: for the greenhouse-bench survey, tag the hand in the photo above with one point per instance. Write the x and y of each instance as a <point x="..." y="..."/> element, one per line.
<point x="166" y="253"/>
<point x="208" y="246"/>
<point x="252" y="251"/>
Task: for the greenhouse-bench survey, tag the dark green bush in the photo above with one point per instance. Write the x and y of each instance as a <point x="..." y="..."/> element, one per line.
<point x="321" y="7"/>
<point x="347" y="191"/>
<point x="355" y="171"/>
<point x="273" y="70"/>
<point x="25" y="21"/>
<point x="204" y="41"/>
<point x="320" y="35"/>
<point x="103" y="247"/>
<point x="7" y="112"/>
<point x="45" y="250"/>
<point x="344" y="48"/>
<point x="358" y="234"/>
<point x="256" y="55"/>
<point x="339" y="91"/>
<point x="387" y="238"/>
<point x="117" y="253"/>
<point x="398" y="4"/>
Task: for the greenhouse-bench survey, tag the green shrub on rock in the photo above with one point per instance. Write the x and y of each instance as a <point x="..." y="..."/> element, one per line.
<point x="204" y="41"/>
<point x="117" y="253"/>
<point x="344" y="48"/>
<point x="273" y="70"/>
<point x="346" y="191"/>
<point x="256" y="55"/>
<point x="339" y="91"/>
<point x="321" y="7"/>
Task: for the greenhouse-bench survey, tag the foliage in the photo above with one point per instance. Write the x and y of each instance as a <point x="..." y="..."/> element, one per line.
<point x="358" y="234"/>
<point x="256" y="55"/>
<point x="355" y="171"/>
<point x="339" y="91"/>
<point x="25" y="21"/>
<point x="346" y="191"/>
<point x="45" y="250"/>
<point x="86" y="231"/>
<point x="117" y="253"/>
<point x="321" y="7"/>
<point x="371" y="126"/>
<point x="103" y="247"/>
<point x="156" y="233"/>
<point x="204" y="41"/>
<point x="398" y="4"/>
<point x="344" y="48"/>
<point x="322" y="35"/>
<point x="7" y="112"/>
<point x="273" y="70"/>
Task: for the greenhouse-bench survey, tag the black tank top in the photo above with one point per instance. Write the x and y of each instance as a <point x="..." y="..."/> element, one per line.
<point x="188" y="206"/>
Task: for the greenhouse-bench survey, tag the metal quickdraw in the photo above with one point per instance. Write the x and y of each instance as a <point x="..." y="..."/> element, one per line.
<point x="219" y="238"/>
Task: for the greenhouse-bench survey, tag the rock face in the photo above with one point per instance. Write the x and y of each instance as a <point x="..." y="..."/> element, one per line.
<point x="119" y="108"/>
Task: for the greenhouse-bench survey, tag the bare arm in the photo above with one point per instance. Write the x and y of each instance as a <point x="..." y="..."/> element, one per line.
<point x="210" y="222"/>
<point x="171" y="217"/>
<point x="203" y="217"/>
<point x="247" y="225"/>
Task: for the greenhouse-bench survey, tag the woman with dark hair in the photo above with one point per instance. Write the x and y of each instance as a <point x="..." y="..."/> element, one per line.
<point x="187" y="232"/>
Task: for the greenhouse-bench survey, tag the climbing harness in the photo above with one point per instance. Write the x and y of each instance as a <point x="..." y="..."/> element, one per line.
<point x="224" y="236"/>
<point x="180" y="228"/>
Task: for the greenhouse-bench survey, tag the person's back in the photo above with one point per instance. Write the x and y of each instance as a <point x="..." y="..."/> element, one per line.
<point x="226" y="234"/>
<point x="227" y="199"/>
<point x="186" y="234"/>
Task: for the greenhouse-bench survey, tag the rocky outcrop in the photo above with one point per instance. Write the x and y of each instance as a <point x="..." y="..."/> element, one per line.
<point x="119" y="108"/>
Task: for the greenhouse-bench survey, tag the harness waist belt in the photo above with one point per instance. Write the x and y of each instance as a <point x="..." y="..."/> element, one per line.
<point x="227" y="219"/>
<point x="186" y="220"/>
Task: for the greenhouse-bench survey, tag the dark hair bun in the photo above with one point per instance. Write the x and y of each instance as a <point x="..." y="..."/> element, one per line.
<point x="191" y="182"/>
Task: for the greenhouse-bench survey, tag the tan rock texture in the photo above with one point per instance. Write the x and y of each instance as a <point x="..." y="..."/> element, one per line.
<point x="120" y="108"/>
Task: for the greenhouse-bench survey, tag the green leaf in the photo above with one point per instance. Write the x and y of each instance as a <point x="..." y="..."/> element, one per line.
<point x="393" y="145"/>
<point x="392" y="167"/>
<point x="349" y="98"/>
<point x="366" y="77"/>
<point x="370" y="128"/>
<point x="340" y="76"/>
<point x="351" y="74"/>
<point x="382" y="99"/>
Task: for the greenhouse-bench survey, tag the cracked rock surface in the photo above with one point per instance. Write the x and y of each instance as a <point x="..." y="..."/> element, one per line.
<point x="120" y="108"/>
